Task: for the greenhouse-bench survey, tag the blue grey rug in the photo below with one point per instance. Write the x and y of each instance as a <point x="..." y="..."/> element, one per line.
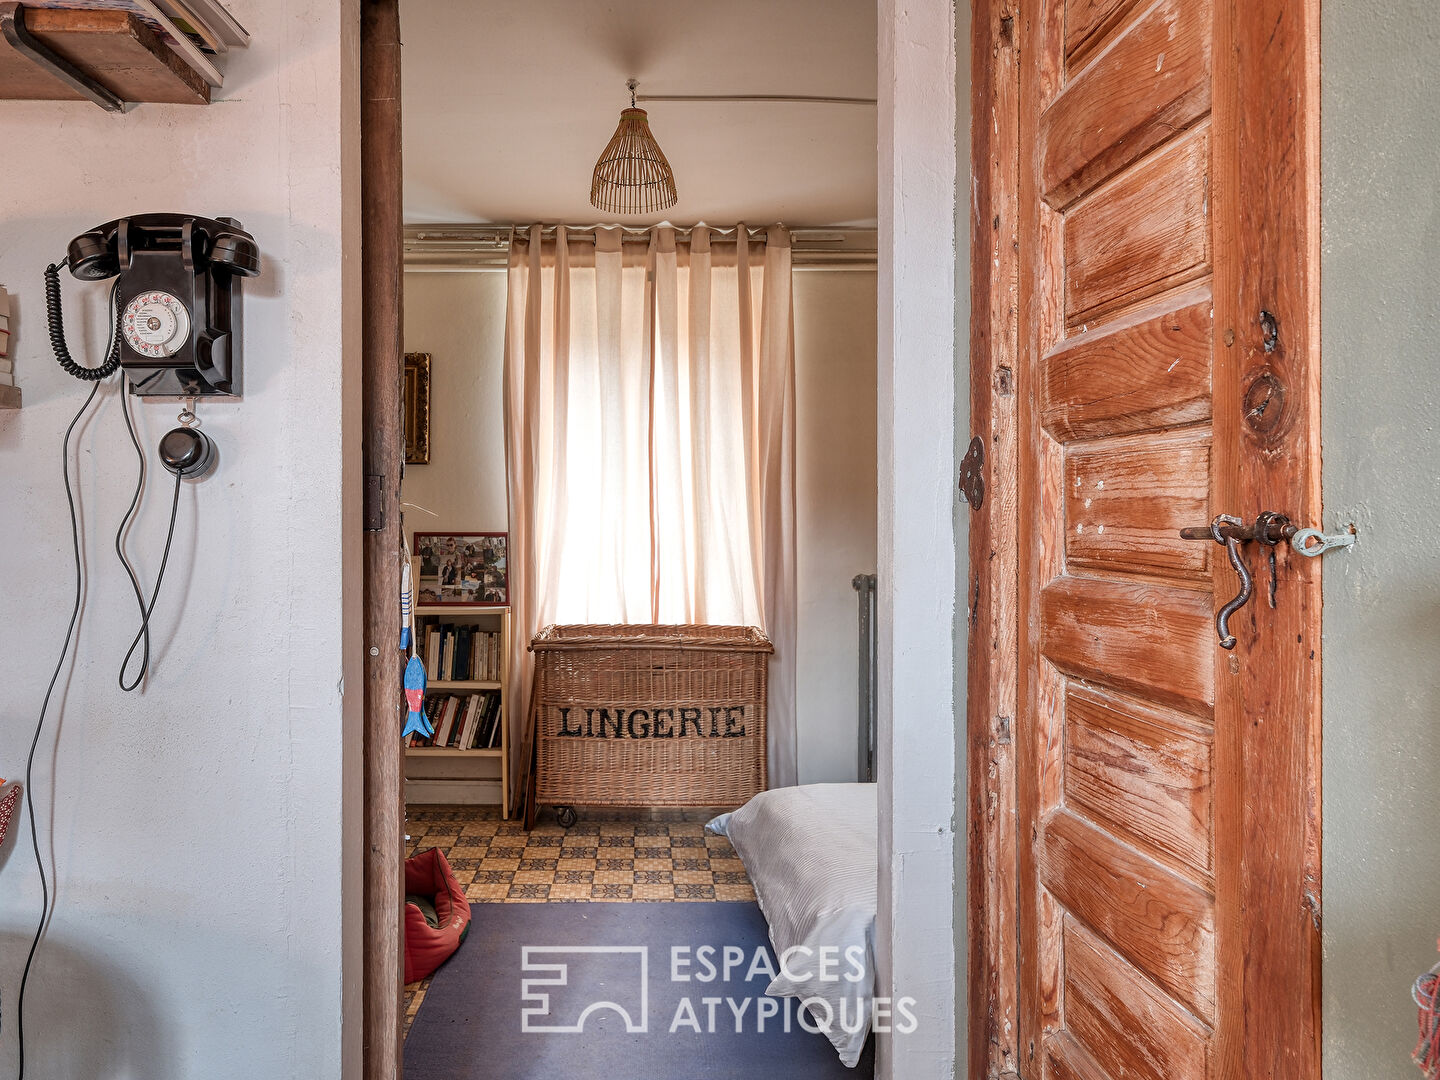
<point x="561" y="991"/>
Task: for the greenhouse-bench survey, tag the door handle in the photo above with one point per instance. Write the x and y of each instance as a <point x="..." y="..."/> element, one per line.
<point x="1269" y="528"/>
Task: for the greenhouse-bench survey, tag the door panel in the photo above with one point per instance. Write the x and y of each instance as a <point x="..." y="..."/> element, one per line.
<point x="1154" y="918"/>
<point x="1145" y="230"/>
<point x="1121" y="1022"/>
<point x="1151" y="82"/>
<point x="1148" y="640"/>
<point x="1113" y="520"/>
<point x="1088" y="24"/>
<point x="1143" y="773"/>
<point x="1146" y="757"/>
<point x="1146" y="371"/>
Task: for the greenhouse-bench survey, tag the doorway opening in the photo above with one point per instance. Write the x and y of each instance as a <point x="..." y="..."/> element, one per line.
<point x="497" y="168"/>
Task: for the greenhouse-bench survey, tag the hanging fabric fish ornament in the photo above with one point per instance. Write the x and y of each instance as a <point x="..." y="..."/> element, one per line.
<point x="407" y="608"/>
<point x="416" y="722"/>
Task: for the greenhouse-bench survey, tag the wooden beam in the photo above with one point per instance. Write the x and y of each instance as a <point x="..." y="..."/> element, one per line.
<point x="991" y="596"/>
<point x="383" y="452"/>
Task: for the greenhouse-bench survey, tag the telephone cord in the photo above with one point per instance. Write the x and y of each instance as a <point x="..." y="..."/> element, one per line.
<point x="55" y="317"/>
<point x="40" y="725"/>
<point x="146" y="610"/>
<point x="143" y="634"/>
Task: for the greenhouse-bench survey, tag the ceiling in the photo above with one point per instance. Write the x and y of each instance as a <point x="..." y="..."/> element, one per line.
<point x="507" y="105"/>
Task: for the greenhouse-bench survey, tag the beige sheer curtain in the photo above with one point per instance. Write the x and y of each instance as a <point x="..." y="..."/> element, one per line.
<point x="650" y="443"/>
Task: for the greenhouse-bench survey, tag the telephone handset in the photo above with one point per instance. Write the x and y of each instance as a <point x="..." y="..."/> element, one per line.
<point x="176" y="302"/>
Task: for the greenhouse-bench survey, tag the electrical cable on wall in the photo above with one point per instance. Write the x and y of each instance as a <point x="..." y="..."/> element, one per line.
<point x="40" y="725"/>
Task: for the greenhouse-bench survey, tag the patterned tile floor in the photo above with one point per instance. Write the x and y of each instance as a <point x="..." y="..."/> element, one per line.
<point x="608" y="855"/>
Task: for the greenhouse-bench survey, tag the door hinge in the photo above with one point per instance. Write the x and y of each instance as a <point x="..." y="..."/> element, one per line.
<point x="374" y="509"/>
<point x="972" y="473"/>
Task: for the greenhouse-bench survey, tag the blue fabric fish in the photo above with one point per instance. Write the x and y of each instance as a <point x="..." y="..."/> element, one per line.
<point x="416" y="722"/>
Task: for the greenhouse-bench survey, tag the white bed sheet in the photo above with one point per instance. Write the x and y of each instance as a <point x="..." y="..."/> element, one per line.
<point x="811" y="853"/>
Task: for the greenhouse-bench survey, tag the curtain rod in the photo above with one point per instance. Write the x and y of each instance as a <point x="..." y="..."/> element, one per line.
<point x="799" y="99"/>
<point x="460" y="246"/>
<point x="639" y="232"/>
<point x="500" y="234"/>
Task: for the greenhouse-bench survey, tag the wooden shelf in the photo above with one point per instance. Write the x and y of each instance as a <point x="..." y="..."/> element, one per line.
<point x="455" y="773"/>
<point x="105" y="56"/>
<point x="9" y="397"/>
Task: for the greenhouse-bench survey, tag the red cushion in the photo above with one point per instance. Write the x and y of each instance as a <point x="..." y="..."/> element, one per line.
<point x="426" y="946"/>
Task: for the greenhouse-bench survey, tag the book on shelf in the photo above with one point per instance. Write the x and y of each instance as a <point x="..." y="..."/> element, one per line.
<point x="443" y="734"/>
<point x="7" y="372"/>
<point x="494" y="741"/>
<point x="461" y="721"/>
<point x="458" y="652"/>
<point x="472" y="715"/>
<point x="463" y="636"/>
<point x="206" y="23"/>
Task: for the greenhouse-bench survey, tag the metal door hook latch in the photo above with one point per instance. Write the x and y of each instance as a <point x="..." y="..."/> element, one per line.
<point x="1269" y="529"/>
<point x="1313" y="542"/>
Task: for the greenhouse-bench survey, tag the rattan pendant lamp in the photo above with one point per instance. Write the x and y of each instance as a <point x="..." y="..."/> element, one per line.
<point x="632" y="175"/>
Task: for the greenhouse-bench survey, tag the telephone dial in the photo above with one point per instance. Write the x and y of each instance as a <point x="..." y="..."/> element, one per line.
<point x="175" y="308"/>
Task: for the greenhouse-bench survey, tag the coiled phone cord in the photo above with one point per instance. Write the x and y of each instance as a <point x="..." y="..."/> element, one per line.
<point x="55" y="317"/>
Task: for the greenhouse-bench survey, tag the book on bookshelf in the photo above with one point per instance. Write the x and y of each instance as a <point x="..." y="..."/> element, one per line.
<point x="472" y="714"/>
<point x="461" y="721"/>
<point x="458" y="652"/>
<point x="494" y="740"/>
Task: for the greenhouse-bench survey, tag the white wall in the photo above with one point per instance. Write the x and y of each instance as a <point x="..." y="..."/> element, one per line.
<point x="459" y="318"/>
<point x="835" y="509"/>
<point x="1381" y="388"/>
<point x="207" y="893"/>
<point x="922" y="794"/>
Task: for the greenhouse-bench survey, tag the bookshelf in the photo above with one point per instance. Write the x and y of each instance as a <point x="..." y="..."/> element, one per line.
<point x="454" y="768"/>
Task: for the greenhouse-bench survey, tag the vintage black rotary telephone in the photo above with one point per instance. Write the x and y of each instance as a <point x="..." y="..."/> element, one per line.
<point x="177" y="301"/>
<point x="175" y="332"/>
<point x="175" y="312"/>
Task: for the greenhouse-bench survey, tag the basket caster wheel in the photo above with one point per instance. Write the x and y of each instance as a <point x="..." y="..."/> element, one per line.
<point x="565" y="815"/>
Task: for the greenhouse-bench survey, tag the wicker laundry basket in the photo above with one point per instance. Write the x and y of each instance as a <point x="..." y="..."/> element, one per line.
<point x="648" y="716"/>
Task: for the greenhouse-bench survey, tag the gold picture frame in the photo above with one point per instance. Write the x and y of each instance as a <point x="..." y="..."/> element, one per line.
<point x="417" y="408"/>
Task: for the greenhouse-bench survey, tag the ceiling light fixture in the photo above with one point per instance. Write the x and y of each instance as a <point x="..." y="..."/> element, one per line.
<point x="632" y="175"/>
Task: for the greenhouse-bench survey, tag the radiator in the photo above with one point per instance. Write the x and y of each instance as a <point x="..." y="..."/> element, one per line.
<point x="864" y="585"/>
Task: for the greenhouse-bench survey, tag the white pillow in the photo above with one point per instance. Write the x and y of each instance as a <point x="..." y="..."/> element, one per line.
<point x="812" y="854"/>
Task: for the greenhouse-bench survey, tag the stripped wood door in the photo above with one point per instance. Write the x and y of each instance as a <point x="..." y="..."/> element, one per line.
<point x="1168" y="802"/>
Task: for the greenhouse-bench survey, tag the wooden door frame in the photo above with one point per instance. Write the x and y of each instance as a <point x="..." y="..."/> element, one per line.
<point x="382" y="439"/>
<point x="992" y="660"/>
<point x="1271" y="50"/>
